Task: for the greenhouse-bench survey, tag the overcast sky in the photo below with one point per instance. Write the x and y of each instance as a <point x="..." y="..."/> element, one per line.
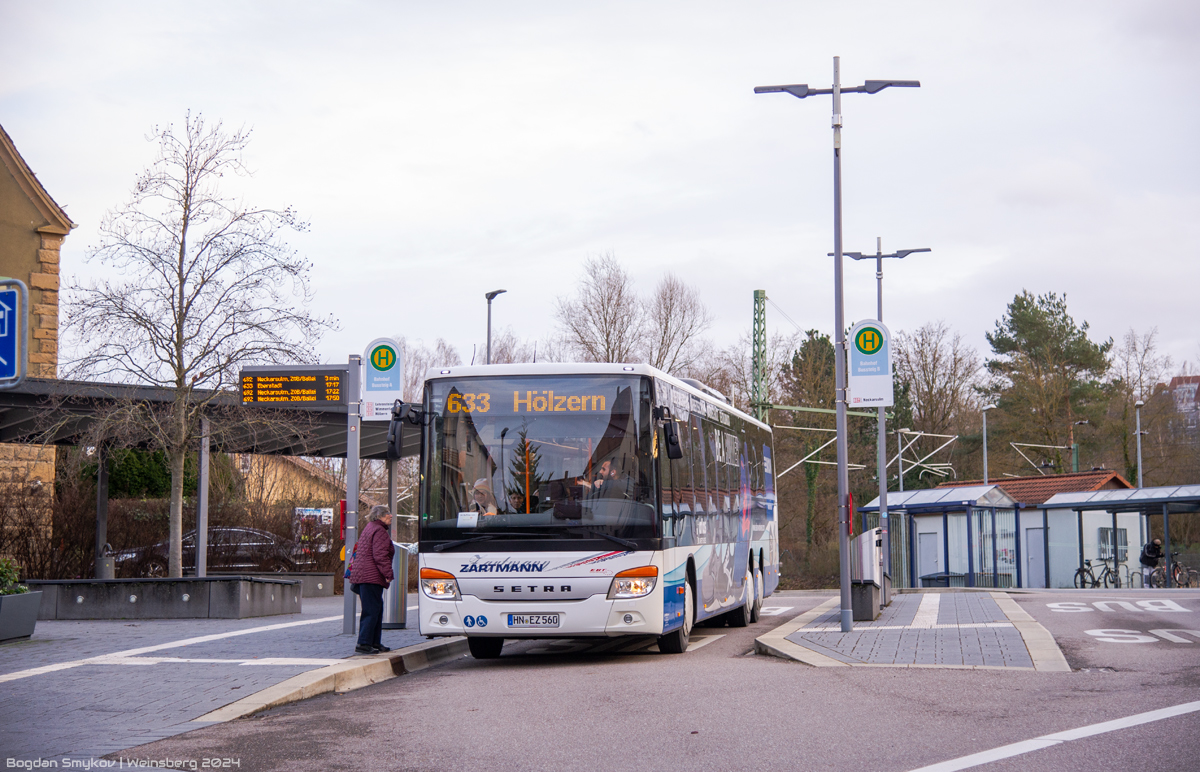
<point x="441" y="150"/>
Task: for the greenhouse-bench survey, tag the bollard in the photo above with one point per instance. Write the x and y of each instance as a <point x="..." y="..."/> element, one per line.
<point x="395" y="599"/>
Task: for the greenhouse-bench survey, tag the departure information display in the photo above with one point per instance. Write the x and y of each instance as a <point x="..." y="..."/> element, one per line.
<point x="293" y="386"/>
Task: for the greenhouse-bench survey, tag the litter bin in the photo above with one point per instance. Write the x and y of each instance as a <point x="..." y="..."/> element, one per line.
<point x="395" y="598"/>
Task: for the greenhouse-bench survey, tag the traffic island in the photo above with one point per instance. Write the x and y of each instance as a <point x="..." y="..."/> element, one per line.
<point x="354" y="673"/>
<point x="238" y="597"/>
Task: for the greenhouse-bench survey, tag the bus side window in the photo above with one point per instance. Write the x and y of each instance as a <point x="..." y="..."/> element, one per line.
<point x="666" y="478"/>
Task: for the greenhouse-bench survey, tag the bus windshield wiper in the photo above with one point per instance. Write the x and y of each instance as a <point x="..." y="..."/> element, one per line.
<point x="617" y="539"/>
<point x="486" y="536"/>
<point x="450" y="544"/>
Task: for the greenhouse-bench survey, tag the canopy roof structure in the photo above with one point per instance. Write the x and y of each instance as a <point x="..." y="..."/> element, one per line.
<point x="1175" y="499"/>
<point x="941" y="499"/>
<point x="57" y="412"/>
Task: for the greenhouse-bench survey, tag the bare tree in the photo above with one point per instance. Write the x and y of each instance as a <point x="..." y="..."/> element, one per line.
<point x="418" y="358"/>
<point x="201" y="285"/>
<point x="1137" y="374"/>
<point x="1137" y="365"/>
<point x="605" y="320"/>
<point x="942" y="372"/>
<point x="507" y="348"/>
<point x="675" y="320"/>
<point x="731" y="372"/>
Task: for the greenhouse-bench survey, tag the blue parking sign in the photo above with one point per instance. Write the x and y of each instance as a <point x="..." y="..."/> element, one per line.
<point x="13" y="303"/>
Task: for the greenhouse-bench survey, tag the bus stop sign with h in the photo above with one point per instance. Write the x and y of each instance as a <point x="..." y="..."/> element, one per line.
<point x="14" y="334"/>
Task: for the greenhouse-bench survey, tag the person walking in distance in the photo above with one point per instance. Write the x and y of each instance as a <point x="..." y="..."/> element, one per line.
<point x="370" y="576"/>
<point x="1151" y="554"/>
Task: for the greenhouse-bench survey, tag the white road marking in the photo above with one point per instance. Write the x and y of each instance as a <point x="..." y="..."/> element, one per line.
<point x="1154" y="604"/>
<point x="701" y="642"/>
<point x="277" y="661"/>
<point x="1050" y="740"/>
<point x="774" y="611"/>
<point x="864" y="628"/>
<point x="927" y="612"/>
<point x="158" y="647"/>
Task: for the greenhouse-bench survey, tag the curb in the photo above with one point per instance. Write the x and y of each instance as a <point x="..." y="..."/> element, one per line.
<point x="1043" y="650"/>
<point x="354" y="673"/>
<point x="776" y="644"/>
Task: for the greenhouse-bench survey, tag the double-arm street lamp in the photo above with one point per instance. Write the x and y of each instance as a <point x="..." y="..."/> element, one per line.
<point x="802" y="91"/>
<point x="881" y="440"/>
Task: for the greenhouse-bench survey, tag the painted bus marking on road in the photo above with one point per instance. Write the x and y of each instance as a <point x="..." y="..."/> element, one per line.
<point x="1114" y="635"/>
<point x="1166" y="606"/>
<point x="774" y="611"/>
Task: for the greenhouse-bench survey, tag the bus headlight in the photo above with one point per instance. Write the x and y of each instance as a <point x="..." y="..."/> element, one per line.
<point x="634" y="583"/>
<point x="439" y="585"/>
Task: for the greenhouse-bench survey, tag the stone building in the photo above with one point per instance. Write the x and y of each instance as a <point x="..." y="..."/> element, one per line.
<point x="32" y="230"/>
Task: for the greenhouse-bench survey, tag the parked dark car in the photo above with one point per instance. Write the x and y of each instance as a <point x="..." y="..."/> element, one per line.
<point x="229" y="549"/>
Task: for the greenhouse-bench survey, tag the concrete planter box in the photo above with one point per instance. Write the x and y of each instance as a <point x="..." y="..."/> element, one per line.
<point x="312" y="585"/>
<point x="18" y="615"/>
<point x="207" y="598"/>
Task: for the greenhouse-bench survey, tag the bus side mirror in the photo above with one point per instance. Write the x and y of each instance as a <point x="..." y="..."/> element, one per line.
<point x="403" y="415"/>
<point x="671" y="434"/>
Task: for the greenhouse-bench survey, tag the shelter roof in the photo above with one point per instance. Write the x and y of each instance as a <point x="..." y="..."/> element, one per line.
<point x="57" y="412"/>
<point x="940" y="499"/>
<point x="1034" y="489"/>
<point x="1175" y="498"/>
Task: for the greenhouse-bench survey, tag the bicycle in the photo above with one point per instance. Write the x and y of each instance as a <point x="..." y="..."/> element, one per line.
<point x="1181" y="575"/>
<point x="1086" y="577"/>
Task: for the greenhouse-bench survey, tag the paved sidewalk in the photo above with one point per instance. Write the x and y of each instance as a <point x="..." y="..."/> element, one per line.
<point x="65" y="695"/>
<point x="947" y="629"/>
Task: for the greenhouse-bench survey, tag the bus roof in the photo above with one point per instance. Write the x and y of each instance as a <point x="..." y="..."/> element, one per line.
<point x="580" y="368"/>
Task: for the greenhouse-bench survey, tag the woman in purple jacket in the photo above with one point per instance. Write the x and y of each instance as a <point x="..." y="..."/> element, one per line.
<point x="370" y="576"/>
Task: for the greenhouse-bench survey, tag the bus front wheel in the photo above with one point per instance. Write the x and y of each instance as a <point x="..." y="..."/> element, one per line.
<point x="676" y="641"/>
<point x="485" y="648"/>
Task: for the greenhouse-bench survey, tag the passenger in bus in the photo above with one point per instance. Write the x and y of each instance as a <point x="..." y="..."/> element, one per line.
<point x="484" y="501"/>
<point x="516" y="502"/>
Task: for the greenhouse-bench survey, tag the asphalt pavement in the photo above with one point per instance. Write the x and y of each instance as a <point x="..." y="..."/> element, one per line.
<point x="1128" y="699"/>
<point x="81" y="690"/>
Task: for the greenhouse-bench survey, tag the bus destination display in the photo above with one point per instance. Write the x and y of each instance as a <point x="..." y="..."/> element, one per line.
<point x="313" y="387"/>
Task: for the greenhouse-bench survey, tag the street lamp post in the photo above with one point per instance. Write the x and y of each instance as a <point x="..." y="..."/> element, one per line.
<point x="1137" y="409"/>
<point x="844" y="515"/>
<point x="881" y="441"/>
<point x="984" y="411"/>
<point x="490" y="296"/>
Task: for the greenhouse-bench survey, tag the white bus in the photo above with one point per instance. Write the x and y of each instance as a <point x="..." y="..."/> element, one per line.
<point x="587" y="500"/>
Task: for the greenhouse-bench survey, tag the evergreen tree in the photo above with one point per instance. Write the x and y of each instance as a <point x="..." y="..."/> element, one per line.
<point x="524" y="476"/>
<point x="1047" y="374"/>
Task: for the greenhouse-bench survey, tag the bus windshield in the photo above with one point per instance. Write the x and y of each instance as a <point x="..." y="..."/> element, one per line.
<point x="544" y="456"/>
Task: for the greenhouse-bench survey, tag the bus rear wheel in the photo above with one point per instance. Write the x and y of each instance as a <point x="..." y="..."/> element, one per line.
<point x="485" y="648"/>
<point x="676" y="641"/>
<point x="758" y="595"/>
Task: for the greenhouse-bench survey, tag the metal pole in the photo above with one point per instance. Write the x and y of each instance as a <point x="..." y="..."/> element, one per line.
<point x="353" y="426"/>
<point x="881" y="440"/>
<point x="1167" y="542"/>
<point x="839" y="326"/>
<point x="900" y="458"/>
<point x="1137" y="407"/>
<point x="101" y="512"/>
<point x="202" y="500"/>
<point x="985" y="476"/>
<point x="489" y="332"/>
